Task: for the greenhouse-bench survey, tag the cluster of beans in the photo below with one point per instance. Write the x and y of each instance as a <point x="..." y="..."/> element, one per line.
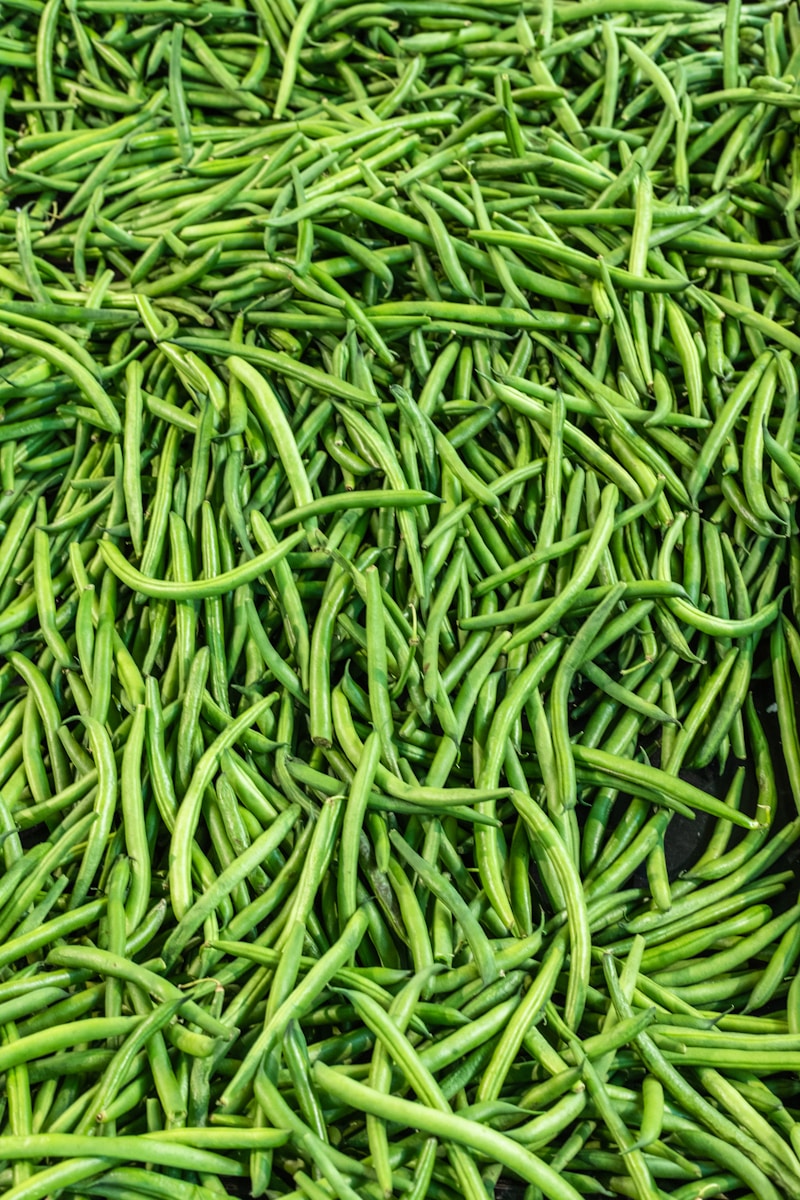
<point x="398" y="551"/>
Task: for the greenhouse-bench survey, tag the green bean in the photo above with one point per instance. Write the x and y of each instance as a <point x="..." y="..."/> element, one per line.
<point x="73" y="1171"/>
<point x="306" y="17"/>
<point x="238" y="869"/>
<point x="509" y="1044"/>
<point x="423" y="1081"/>
<point x="295" y="1004"/>
<point x="665" y="953"/>
<point x="188" y="812"/>
<point x="198" y="589"/>
<point x="558" y="707"/>
<point x="450" y="897"/>
<point x="45" y="597"/>
<point x="404" y="327"/>
<point x="15" y="534"/>
<point x="296" y="1052"/>
<point x="62" y="925"/>
<point x="467" y="1133"/>
<point x="695" y="973"/>
<point x="321" y="720"/>
<point x="627" y="697"/>
<point x="776" y="970"/>
<point x="48" y="710"/>
<point x="677" y="790"/>
<point x="379" y="699"/>
<point x="162" y="1152"/>
<point x="382" y="452"/>
<point x="674" y="1083"/>
<point x="708" y="623"/>
<point x="19" y="1106"/>
<point x="782" y="458"/>
<point x="721" y="888"/>
<point x="106" y="415"/>
<point x="355" y="813"/>
<point x="320" y="851"/>
<point x="134" y="822"/>
<point x="32" y="758"/>
<point x="755" y="1124"/>
<point x="279" y="668"/>
<point x="725" y="423"/>
<point x="103" y="809"/>
<point x="656" y="76"/>
<point x="582" y="575"/>
<point x="271" y="416"/>
<point x="487" y="850"/>
<point x="105" y="963"/>
<point x="365" y="498"/>
<point x="295" y="617"/>
<point x="785" y="707"/>
<point x="115" y="1073"/>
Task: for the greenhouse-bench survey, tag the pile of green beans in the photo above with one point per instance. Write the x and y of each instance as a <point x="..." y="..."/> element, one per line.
<point x="399" y="459"/>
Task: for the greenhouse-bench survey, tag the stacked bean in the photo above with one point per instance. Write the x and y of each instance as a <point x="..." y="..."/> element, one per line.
<point x="399" y="455"/>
